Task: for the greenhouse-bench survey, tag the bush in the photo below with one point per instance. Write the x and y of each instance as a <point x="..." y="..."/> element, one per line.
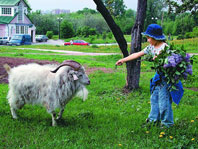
<point x="49" y="34"/>
<point x="180" y="37"/>
<point x="110" y="35"/>
<point x="66" y="29"/>
<point x="104" y="35"/>
<point x="86" y="31"/>
<point x="91" y="38"/>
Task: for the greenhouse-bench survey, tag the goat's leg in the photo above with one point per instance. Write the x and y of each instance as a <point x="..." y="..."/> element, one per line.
<point x="60" y="113"/>
<point x="18" y="104"/>
<point x="13" y="112"/>
<point x="54" y="123"/>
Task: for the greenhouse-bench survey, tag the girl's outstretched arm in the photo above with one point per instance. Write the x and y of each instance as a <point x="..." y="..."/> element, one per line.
<point x="130" y="57"/>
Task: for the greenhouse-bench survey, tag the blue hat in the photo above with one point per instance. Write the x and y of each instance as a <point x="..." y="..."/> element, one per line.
<point x="154" y="31"/>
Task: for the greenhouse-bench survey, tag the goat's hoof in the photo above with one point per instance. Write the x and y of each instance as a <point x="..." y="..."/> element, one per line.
<point x="14" y="117"/>
<point x="54" y="124"/>
<point x="58" y="118"/>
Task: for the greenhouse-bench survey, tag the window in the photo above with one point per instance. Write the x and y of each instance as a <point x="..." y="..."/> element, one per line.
<point x="26" y="29"/>
<point x="6" y="10"/>
<point x="17" y="29"/>
<point x="22" y="29"/>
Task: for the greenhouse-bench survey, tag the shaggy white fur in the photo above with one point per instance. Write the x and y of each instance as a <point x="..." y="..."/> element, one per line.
<point x="36" y="84"/>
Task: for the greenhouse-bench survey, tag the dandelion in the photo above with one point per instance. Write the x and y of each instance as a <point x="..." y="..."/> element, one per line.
<point x="171" y="137"/>
<point x="162" y="133"/>
<point x="193" y="139"/>
<point x="192" y="121"/>
<point x="149" y="102"/>
<point x="147" y="132"/>
<point x="119" y="144"/>
<point x="161" y="136"/>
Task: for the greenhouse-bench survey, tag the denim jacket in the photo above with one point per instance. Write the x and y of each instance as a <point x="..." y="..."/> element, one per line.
<point x="175" y="94"/>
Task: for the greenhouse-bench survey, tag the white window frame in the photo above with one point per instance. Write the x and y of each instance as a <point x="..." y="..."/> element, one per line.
<point x="22" y="29"/>
<point x="6" y="11"/>
<point x="17" y="29"/>
<point x="26" y="29"/>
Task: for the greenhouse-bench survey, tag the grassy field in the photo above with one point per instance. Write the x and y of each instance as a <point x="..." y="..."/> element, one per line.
<point x="107" y="119"/>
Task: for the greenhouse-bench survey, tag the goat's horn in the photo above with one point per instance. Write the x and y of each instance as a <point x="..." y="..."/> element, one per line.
<point x="75" y="65"/>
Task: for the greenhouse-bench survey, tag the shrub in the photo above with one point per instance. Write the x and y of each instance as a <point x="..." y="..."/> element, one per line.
<point x="66" y="29"/>
<point x="49" y="34"/>
<point x="180" y="37"/>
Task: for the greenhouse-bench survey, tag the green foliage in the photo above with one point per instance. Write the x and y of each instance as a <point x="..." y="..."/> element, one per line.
<point x="174" y="65"/>
<point x="86" y="11"/>
<point x="49" y="34"/>
<point x="104" y="35"/>
<point x="66" y="29"/>
<point x="44" y="22"/>
<point x="86" y="31"/>
<point x="115" y="7"/>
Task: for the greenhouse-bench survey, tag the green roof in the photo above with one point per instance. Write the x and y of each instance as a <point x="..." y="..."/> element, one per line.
<point x="11" y="2"/>
<point x="6" y="19"/>
<point x="8" y="2"/>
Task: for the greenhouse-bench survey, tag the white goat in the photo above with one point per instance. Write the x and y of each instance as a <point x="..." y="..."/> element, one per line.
<point x="37" y="84"/>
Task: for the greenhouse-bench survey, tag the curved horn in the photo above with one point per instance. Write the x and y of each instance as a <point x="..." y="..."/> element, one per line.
<point x="75" y="65"/>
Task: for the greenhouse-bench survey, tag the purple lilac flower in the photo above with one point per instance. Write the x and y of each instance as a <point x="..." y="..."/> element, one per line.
<point x="189" y="69"/>
<point x="187" y="58"/>
<point x="173" y="60"/>
<point x="185" y="74"/>
<point x="178" y="58"/>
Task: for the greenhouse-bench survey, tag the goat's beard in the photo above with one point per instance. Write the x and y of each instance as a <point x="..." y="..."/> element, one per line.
<point x="82" y="93"/>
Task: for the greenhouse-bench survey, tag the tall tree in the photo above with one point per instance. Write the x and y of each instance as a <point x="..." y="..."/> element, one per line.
<point x="154" y="11"/>
<point x="115" y="7"/>
<point x="113" y="26"/>
<point x="181" y="6"/>
<point x="133" y="67"/>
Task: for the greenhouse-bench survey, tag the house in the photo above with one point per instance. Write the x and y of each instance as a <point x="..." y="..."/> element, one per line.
<point x="14" y="19"/>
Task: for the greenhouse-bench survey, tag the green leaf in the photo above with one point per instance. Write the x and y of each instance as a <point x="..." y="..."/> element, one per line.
<point x="177" y="73"/>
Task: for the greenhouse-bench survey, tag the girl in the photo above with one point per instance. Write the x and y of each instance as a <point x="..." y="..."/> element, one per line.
<point x="161" y="100"/>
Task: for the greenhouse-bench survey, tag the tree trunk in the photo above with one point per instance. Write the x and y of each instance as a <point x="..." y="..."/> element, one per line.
<point x="113" y="26"/>
<point x="133" y="67"/>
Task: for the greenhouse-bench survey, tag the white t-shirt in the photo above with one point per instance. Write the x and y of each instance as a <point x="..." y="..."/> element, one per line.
<point x="151" y="50"/>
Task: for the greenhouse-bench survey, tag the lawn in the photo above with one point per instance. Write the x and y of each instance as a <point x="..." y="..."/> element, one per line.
<point x="107" y="119"/>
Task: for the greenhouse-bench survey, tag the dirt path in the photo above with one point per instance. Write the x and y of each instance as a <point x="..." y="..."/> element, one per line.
<point x="70" y="52"/>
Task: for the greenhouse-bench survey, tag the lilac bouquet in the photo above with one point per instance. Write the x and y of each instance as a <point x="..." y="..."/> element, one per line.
<point x="174" y="65"/>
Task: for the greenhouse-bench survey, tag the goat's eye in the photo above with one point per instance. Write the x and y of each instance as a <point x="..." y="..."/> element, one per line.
<point x="80" y="75"/>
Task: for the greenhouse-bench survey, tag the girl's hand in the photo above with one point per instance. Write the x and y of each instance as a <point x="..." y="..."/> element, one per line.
<point x="154" y="57"/>
<point x="119" y="62"/>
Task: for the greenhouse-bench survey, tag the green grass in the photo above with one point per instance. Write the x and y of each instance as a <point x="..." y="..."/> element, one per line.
<point x="107" y="119"/>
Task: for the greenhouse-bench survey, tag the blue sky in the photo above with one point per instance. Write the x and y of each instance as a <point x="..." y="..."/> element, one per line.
<point x="72" y="5"/>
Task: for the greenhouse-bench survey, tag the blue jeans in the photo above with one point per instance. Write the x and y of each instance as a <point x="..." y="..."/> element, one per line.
<point x="161" y="105"/>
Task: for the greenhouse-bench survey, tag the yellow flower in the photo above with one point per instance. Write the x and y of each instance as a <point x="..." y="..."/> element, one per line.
<point x="171" y="137"/>
<point x="119" y="144"/>
<point x="162" y="133"/>
<point x="192" y="121"/>
<point x="193" y="139"/>
<point x="147" y="132"/>
<point x="149" y="102"/>
<point x="161" y="136"/>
